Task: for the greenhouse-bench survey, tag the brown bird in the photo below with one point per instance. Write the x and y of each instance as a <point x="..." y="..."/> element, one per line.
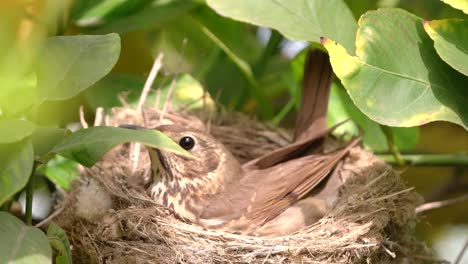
<point x="273" y="195"/>
<point x="213" y="190"/>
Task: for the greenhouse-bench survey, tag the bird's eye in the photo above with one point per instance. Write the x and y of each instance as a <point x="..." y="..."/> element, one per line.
<point x="187" y="142"/>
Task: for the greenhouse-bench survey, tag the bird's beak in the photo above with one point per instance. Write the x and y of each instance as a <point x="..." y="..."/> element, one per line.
<point x="159" y="164"/>
<point x="130" y="126"/>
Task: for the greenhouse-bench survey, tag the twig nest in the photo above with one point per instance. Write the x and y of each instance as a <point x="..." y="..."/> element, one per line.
<point x="372" y="220"/>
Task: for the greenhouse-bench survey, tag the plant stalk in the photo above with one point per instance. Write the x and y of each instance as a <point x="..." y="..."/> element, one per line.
<point x="270" y="50"/>
<point x="29" y="196"/>
<point x="427" y="159"/>
<point x="392" y="147"/>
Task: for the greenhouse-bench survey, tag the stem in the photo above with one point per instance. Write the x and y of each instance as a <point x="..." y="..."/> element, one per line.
<point x="210" y="62"/>
<point x="29" y="196"/>
<point x="286" y="109"/>
<point x="392" y="147"/>
<point x="265" y="108"/>
<point x="428" y="159"/>
<point x="270" y="49"/>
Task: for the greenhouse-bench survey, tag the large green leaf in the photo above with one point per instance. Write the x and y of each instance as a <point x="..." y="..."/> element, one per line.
<point x="396" y="77"/>
<point x="16" y="162"/>
<point x="70" y="64"/>
<point x="295" y="19"/>
<point x="12" y="130"/>
<point x="21" y="244"/>
<point x="59" y="241"/>
<point x="450" y="41"/>
<point x="458" y="4"/>
<point x="88" y="145"/>
<point x="341" y="108"/>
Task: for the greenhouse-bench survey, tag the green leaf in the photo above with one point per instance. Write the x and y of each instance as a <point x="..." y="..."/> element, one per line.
<point x="105" y="93"/>
<point x="450" y="41"/>
<point x="153" y="15"/>
<point x="59" y="241"/>
<point x="341" y="108"/>
<point x="458" y="4"/>
<point x="12" y="130"/>
<point x="21" y="244"/>
<point x="16" y="163"/>
<point x="70" y="64"/>
<point x="396" y="77"/>
<point x="109" y="10"/>
<point x="296" y="19"/>
<point x="18" y="93"/>
<point x="88" y="145"/>
<point x="60" y="171"/>
<point x="45" y="138"/>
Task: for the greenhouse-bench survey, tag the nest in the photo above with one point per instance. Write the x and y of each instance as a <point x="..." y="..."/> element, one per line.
<point x="110" y="218"/>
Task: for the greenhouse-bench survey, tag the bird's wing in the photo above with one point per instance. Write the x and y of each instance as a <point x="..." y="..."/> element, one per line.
<point x="290" y="151"/>
<point x="291" y="181"/>
<point x="262" y="195"/>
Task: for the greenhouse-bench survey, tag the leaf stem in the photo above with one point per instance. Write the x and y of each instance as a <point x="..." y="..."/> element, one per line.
<point x="270" y="49"/>
<point x="392" y="147"/>
<point x="29" y="195"/>
<point x="428" y="159"/>
<point x="265" y="108"/>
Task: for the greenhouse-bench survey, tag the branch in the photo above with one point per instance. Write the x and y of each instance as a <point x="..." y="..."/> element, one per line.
<point x="392" y="147"/>
<point x="428" y="159"/>
<point x="439" y="204"/>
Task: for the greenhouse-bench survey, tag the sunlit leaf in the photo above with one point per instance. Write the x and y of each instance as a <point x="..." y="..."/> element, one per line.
<point x="70" y="64"/>
<point x="59" y="241"/>
<point x="12" y="130"/>
<point x="88" y="145"/>
<point x="16" y="162"/>
<point x="341" y="108"/>
<point x="396" y="77"/>
<point x="458" y="4"/>
<point x="450" y="41"/>
<point x="21" y="244"/>
<point x="296" y="19"/>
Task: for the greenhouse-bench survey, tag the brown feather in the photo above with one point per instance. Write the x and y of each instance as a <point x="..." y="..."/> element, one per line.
<point x="312" y="115"/>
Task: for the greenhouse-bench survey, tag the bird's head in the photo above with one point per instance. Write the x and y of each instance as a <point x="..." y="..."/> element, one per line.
<point x="206" y="172"/>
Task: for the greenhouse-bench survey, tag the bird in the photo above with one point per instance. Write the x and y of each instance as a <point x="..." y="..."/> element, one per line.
<point x="273" y="195"/>
<point x="213" y="190"/>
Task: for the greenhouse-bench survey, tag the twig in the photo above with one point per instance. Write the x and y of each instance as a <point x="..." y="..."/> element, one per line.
<point x="149" y="82"/>
<point x="168" y="99"/>
<point x="438" y="204"/>
<point x="391" y="253"/>
<point x="99" y="116"/>
<point x="429" y="159"/>
<point x="135" y="150"/>
<point x="269" y="253"/>
<point x="83" y="122"/>
<point x="462" y="252"/>
<point x="50" y="217"/>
